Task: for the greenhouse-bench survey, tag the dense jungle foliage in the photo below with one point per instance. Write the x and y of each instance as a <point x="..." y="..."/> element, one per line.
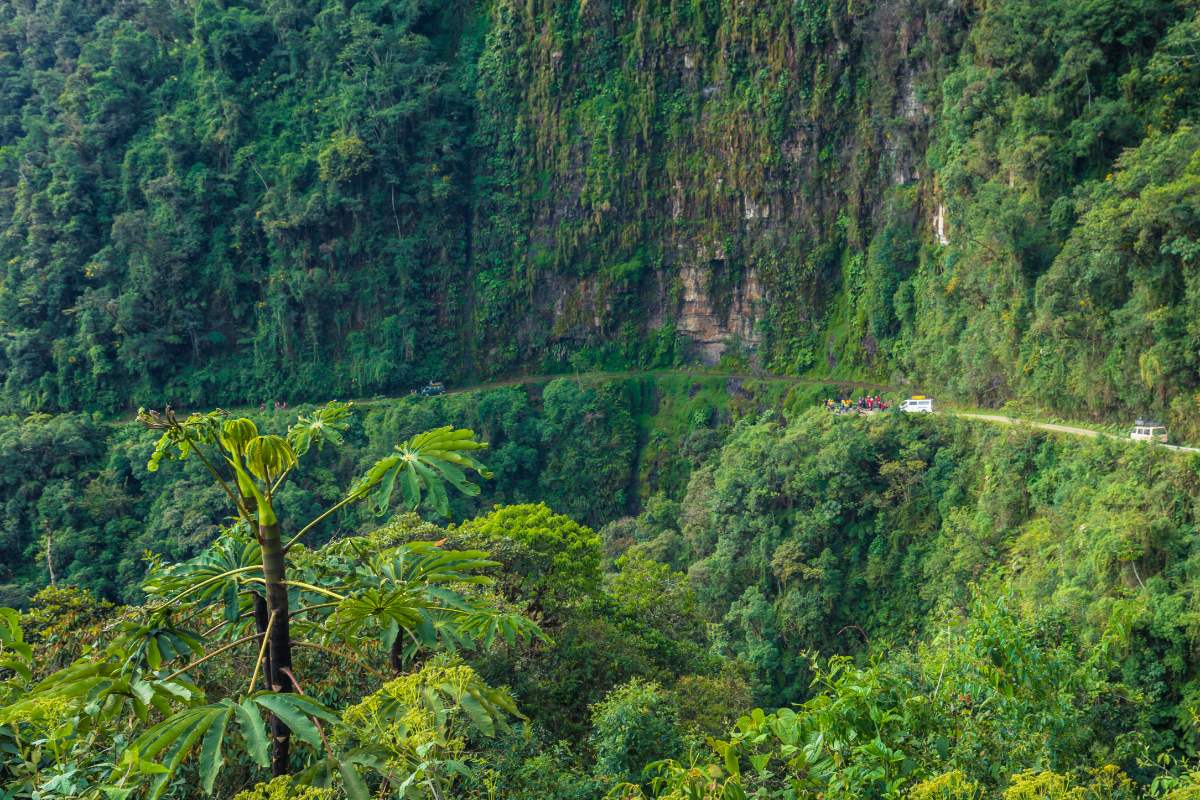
<point x="242" y="200"/>
<point x="918" y="607"/>
<point x="80" y="506"/>
<point x="648" y="583"/>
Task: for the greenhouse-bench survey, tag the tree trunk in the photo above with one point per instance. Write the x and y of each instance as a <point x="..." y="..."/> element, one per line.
<point x="261" y="616"/>
<point x="397" y="655"/>
<point x="279" y="644"/>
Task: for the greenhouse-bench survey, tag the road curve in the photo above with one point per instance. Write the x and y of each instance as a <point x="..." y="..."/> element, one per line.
<point x="999" y="419"/>
<point x="1067" y="429"/>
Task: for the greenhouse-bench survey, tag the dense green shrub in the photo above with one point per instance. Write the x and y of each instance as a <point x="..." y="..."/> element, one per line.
<point x="635" y="724"/>
<point x="551" y="560"/>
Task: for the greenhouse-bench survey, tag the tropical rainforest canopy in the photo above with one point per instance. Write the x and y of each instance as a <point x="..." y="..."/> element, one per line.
<point x="626" y="577"/>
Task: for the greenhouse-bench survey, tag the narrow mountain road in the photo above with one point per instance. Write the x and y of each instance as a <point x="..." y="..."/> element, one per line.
<point x="1067" y="429"/>
<point x="602" y="375"/>
<point x="997" y="419"/>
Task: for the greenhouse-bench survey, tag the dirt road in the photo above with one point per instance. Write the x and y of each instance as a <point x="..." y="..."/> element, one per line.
<point x="998" y="419"/>
<point x="1067" y="429"/>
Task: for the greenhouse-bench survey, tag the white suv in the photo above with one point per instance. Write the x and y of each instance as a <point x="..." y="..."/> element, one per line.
<point x="917" y="405"/>
<point x="1148" y="431"/>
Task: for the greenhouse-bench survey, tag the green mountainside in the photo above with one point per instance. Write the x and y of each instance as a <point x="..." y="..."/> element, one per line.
<point x="219" y="202"/>
<point x="628" y="576"/>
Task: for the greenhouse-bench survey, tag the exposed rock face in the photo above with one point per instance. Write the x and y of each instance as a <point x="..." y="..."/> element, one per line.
<point x="711" y="315"/>
<point x="709" y="329"/>
<point x="939" y="225"/>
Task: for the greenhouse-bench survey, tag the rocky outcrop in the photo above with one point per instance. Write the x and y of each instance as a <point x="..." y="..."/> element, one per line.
<point x="709" y="329"/>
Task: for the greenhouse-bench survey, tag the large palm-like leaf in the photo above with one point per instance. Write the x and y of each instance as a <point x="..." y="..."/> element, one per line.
<point x="204" y="730"/>
<point x="159" y="642"/>
<point x="426" y="562"/>
<point x="423" y="466"/>
<point x="481" y="627"/>
<point x="402" y="606"/>
<point x="216" y="576"/>
<point x="230" y="552"/>
<point x="327" y="424"/>
<point x="415" y="588"/>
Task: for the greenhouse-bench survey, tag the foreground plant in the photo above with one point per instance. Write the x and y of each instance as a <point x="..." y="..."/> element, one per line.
<point x="371" y="603"/>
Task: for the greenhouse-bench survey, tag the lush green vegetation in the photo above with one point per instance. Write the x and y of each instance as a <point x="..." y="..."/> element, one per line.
<point x="922" y="608"/>
<point x="297" y="199"/>
<point x="81" y="507"/>
<point x="661" y="585"/>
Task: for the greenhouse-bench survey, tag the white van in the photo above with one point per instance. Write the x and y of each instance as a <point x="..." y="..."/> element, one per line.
<point x="1148" y="431"/>
<point x="918" y="404"/>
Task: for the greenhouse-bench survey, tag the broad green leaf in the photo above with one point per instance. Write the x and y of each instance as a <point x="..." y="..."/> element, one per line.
<point x="352" y="781"/>
<point x="387" y="486"/>
<point x="174" y="756"/>
<point x="236" y="434"/>
<point x="411" y="485"/>
<point x="178" y="740"/>
<point x="211" y="757"/>
<point x="477" y="713"/>
<point x="166" y="647"/>
<point x="269" y="457"/>
<point x="153" y="656"/>
<point x="294" y="711"/>
<point x="327" y="424"/>
<point x="233" y="608"/>
<point x="117" y="792"/>
<point x="313" y="708"/>
<point x="436" y="487"/>
<point x="423" y="465"/>
<point x="254" y="731"/>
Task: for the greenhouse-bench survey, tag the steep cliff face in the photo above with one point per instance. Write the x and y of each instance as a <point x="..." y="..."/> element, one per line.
<point x="996" y="200"/>
<point x="704" y="163"/>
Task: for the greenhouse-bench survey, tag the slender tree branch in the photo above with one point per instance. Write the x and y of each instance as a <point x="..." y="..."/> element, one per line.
<point x="204" y="583"/>
<point x="291" y="677"/>
<point x="858" y="628"/>
<point x="254" y="167"/>
<point x="309" y="587"/>
<point x="320" y="518"/>
<point x="278" y="482"/>
<point x="206" y="657"/>
<point x="938" y="685"/>
<point x="262" y="650"/>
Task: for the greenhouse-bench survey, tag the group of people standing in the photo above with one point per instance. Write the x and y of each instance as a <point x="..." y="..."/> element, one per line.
<point x="846" y="405"/>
